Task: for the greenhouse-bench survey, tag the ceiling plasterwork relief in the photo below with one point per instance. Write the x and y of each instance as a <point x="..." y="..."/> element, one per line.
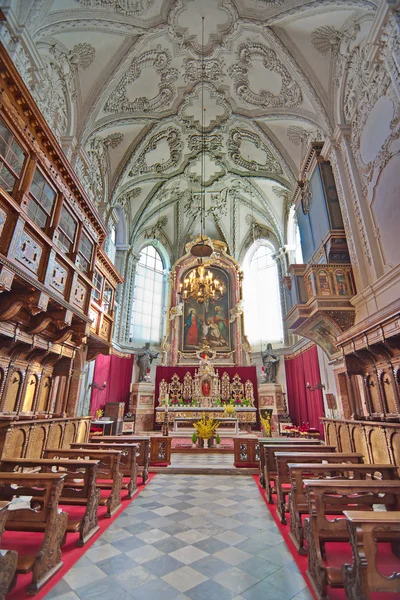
<point x="218" y="111"/>
<point x="172" y="137"/>
<point x="221" y="22"/>
<point x="247" y="54"/>
<point x="208" y="70"/>
<point x="214" y="169"/>
<point x="237" y="137"/>
<point x="211" y="143"/>
<point x="125" y="7"/>
<point x="80" y="57"/>
<point x="158" y="61"/>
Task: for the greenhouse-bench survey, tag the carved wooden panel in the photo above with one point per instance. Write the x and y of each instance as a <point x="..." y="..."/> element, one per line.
<point x="3" y="218"/>
<point x="15" y="443"/>
<point x="79" y="295"/>
<point x="44" y="394"/>
<point x="378" y="446"/>
<point x="6" y="279"/>
<point x="95" y="316"/>
<point x="28" y="252"/>
<point x="37" y="442"/>
<point x="105" y="330"/>
<point x="55" y="435"/>
<point x="14" y="385"/>
<point x="30" y="390"/>
<point x="58" y="278"/>
<point x="83" y="432"/>
<point x="69" y="435"/>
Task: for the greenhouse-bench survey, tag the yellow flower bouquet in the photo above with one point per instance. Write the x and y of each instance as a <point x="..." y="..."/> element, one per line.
<point x="206" y="427"/>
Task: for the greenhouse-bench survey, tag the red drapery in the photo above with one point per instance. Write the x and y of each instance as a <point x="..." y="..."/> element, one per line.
<point x="244" y="373"/>
<point x="304" y="406"/>
<point x="116" y="371"/>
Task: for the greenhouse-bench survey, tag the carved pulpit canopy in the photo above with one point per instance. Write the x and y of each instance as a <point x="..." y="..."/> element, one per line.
<point x="209" y="316"/>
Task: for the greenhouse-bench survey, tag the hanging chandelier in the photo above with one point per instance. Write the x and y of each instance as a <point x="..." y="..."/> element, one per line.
<point x="202" y="249"/>
<point x="201" y="285"/>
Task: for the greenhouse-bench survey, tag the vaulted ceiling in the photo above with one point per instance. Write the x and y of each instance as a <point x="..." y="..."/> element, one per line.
<point x="120" y="81"/>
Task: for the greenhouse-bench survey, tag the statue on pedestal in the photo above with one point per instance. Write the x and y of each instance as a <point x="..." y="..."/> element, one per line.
<point x="271" y="364"/>
<point x="144" y="359"/>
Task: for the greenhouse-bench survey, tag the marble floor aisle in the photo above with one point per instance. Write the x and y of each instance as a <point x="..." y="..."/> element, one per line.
<point x="197" y="537"/>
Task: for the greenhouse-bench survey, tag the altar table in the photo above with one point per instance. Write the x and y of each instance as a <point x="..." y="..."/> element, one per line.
<point x="195" y="419"/>
<point x="245" y="415"/>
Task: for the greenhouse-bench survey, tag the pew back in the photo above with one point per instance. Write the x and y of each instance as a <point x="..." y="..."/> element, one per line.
<point x="143" y="458"/>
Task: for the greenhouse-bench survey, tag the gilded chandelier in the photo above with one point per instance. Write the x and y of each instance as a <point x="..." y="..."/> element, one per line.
<point x="201" y="285"/>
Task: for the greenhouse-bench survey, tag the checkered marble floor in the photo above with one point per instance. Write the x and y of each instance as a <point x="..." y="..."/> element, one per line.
<point x="188" y="537"/>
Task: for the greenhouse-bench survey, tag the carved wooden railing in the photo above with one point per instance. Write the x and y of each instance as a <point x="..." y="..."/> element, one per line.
<point x="28" y="439"/>
<point x="378" y="441"/>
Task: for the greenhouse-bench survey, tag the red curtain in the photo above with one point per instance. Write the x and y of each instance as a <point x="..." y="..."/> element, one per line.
<point x="116" y="371"/>
<point x="244" y="373"/>
<point x="304" y="406"/>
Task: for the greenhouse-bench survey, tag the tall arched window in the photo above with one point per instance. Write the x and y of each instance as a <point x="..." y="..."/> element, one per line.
<point x="146" y="324"/>
<point x="261" y="291"/>
<point x="294" y="241"/>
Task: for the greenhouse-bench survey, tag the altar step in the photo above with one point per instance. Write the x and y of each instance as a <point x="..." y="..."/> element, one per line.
<point x="205" y="463"/>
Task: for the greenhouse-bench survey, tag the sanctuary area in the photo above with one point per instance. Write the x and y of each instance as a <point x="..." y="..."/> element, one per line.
<point x="199" y="299"/>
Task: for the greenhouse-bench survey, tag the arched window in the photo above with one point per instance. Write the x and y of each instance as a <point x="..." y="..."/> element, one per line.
<point x="146" y="323"/>
<point x="294" y="241"/>
<point x="261" y="291"/>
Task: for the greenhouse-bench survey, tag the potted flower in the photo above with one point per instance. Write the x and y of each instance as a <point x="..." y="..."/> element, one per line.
<point x="194" y="439"/>
<point x="217" y="439"/>
<point x="205" y="429"/>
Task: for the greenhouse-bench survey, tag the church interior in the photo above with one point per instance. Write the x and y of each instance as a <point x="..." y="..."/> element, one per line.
<point x="200" y="299"/>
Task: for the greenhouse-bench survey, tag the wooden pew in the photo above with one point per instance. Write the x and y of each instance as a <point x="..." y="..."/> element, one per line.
<point x="325" y="496"/>
<point x="362" y="577"/>
<point x="8" y="559"/>
<point x="86" y="494"/>
<point x="298" y="503"/>
<point x="279" y="441"/>
<point x="108" y="468"/>
<point x="282" y="471"/>
<point x="143" y="460"/>
<point x="270" y="463"/>
<point x="45" y="489"/>
<point x="128" y="465"/>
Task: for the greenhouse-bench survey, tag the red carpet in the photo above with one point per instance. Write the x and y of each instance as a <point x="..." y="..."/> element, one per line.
<point x="71" y="553"/>
<point x="338" y="553"/>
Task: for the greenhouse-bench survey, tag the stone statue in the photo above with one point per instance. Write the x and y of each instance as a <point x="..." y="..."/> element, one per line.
<point x="144" y="359"/>
<point x="271" y="364"/>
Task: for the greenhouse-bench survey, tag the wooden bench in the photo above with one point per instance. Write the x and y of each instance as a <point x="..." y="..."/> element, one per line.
<point x="44" y="516"/>
<point x="278" y="441"/>
<point x="323" y="496"/>
<point x="282" y="471"/>
<point x="143" y="460"/>
<point x="298" y="503"/>
<point x="128" y="465"/>
<point x="270" y="462"/>
<point x="363" y="577"/>
<point x="108" y="469"/>
<point x="86" y="494"/>
<point x="8" y="558"/>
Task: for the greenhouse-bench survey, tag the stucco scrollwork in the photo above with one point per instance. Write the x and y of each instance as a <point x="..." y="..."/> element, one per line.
<point x="211" y="143"/>
<point x="124" y="7"/>
<point x="175" y="144"/>
<point x="158" y="59"/>
<point x="215" y="169"/>
<point x="236" y="137"/>
<point x="290" y="93"/>
<point x="207" y="70"/>
<point x="369" y="80"/>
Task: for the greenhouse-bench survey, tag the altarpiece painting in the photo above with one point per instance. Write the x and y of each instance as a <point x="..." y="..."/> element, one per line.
<point x="208" y="321"/>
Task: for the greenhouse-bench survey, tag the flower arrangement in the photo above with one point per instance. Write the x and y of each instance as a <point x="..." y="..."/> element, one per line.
<point x="266" y="423"/>
<point x="99" y="413"/>
<point x="206" y="427"/>
<point x="229" y="410"/>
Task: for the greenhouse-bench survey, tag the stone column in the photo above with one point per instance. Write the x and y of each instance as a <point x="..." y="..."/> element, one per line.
<point x="125" y="310"/>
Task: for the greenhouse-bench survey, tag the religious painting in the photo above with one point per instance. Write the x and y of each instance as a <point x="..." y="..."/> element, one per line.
<point x="324" y="337"/>
<point x="341" y="283"/>
<point x="324" y="286"/>
<point x="208" y="321"/>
